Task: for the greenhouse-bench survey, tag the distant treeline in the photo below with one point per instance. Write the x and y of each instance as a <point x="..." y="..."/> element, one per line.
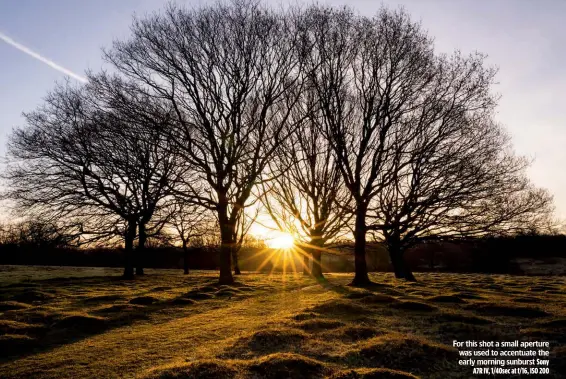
<point x="480" y="255"/>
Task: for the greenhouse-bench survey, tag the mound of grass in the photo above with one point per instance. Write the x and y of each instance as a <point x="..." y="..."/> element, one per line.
<point x="12" y="305"/>
<point x="143" y="300"/>
<point x="117" y="308"/>
<point x="379" y="299"/>
<point x="398" y="351"/>
<point x="353" y="333"/>
<point x="340" y="307"/>
<point x="197" y="295"/>
<point x="465" y="319"/>
<point x="320" y="324"/>
<point x="286" y="365"/>
<point x="469" y="296"/>
<point x="103" y="299"/>
<point x="35" y="315"/>
<point x="507" y="310"/>
<point x="305" y="316"/>
<point x="373" y="373"/>
<point x="16" y="327"/>
<point x="447" y="299"/>
<point x="209" y="369"/>
<point x="357" y="295"/>
<point x="413" y="306"/>
<point x="81" y="322"/>
<point x="160" y="289"/>
<point x="527" y="299"/>
<point x="182" y="301"/>
<point x="224" y="293"/>
<point x="268" y="341"/>
<point x="29" y="296"/>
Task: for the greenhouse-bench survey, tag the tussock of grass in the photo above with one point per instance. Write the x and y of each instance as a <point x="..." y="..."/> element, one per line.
<point x="465" y="319"/>
<point x="357" y="295"/>
<point x="224" y="293"/>
<point x="379" y="299"/>
<point x="317" y="325"/>
<point x="117" y="308"/>
<point x="305" y="316"/>
<point x="182" y="301"/>
<point x="507" y="310"/>
<point x="413" y="306"/>
<point x="398" y="351"/>
<point x="16" y="327"/>
<point x="447" y="299"/>
<point x="373" y="373"/>
<point x="267" y="342"/>
<point x="469" y="296"/>
<point x="12" y="305"/>
<point x="197" y="295"/>
<point x="209" y="369"/>
<point x="29" y="296"/>
<point x="353" y="333"/>
<point x="160" y="289"/>
<point x="143" y="300"/>
<point x="286" y="365"/>
<point x="339" y="307"/>
<point x="103" y="299"/>
<point x="533" y="300"/>
<point x="81" y="322"/>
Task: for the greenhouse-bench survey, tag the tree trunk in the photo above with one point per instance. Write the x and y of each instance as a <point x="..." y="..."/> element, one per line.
<point x="128" y="250"/>
<point x="226" y="245"/>
<point x="306" y="264"/>
<point x="316" y="264"/>
<point x="235" y="252"/>
<point x="185" y="259"/>
<point x="400" y="267"/>
<point x="361" y="277"/>
<point x="141" y="252"/>
<point x="408" y="274"/>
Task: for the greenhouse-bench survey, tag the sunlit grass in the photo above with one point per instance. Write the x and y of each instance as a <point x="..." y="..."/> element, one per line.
<point x="169" y="325"/>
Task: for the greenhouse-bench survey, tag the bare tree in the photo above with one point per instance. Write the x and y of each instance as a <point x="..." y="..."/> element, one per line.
<point x="368" y="75"/>
<point x="230" y="73"/>
<point x="81" y="157"/>
<point x="190" y="223"/>
<point x="307" y="196"/>
<point x="457" y="178"/>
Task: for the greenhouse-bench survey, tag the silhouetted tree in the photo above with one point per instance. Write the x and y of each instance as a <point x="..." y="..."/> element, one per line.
<point x="230" y="73"/>
<point x="82" y="157"/>
<point x="190" y="223"/>
<point x="369" y="74"/>
<point x="307" y="196"/>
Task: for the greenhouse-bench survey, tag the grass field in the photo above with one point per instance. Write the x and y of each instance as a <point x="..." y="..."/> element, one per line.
<point x="81" y="323"/>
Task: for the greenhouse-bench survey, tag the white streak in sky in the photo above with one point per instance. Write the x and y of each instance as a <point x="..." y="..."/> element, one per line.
<point x="35" y="55"/>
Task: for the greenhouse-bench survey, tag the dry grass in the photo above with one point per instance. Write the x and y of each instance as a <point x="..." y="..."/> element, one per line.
<point x="166" y="325"/>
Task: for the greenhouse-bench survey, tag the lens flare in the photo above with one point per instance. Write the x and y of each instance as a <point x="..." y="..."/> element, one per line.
<point x="283" y="241"/>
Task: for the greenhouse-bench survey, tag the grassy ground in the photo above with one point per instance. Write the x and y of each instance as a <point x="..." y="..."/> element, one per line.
<point x="166" y="325"/>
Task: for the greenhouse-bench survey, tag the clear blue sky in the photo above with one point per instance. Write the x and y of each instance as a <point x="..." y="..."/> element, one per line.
<point x="526" y="39"/>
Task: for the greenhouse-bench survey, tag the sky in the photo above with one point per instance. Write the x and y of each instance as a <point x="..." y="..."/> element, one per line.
<point x="43" y="41"/>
